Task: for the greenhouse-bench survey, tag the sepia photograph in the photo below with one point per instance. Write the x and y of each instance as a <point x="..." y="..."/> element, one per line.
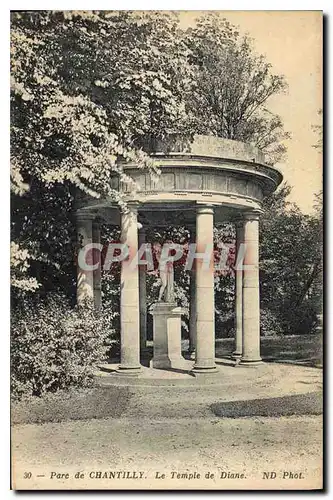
<point x="166" y="250"/>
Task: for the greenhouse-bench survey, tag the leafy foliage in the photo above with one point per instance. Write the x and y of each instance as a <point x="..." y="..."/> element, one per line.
<point x="89" y="88"/>
<point x="54" y="346"/>
<point x="233" y="85"/>
<point x="290" y="259"/>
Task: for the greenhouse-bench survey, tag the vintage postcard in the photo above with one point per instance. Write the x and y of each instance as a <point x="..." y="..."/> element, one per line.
<point x="166" y="250"/>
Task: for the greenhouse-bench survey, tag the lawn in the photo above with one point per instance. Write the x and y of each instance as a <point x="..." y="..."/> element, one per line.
<point x="301" y="349"/>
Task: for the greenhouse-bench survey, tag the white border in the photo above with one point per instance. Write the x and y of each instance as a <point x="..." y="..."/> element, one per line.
<point x="169" y="5"/>
<point x="326" y="6"/>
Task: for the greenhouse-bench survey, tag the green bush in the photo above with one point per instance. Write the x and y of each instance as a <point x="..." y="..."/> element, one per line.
<point x="269" y="324"/>
<point x="54" y="346"/>
<point x="300" y="320"/>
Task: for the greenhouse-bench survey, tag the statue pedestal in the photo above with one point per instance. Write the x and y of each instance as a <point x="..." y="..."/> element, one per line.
<point x="167" y="336"/>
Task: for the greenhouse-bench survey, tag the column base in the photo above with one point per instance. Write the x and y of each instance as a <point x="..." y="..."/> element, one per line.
<point x="206" y="374"/>
<point x="199" y="369"/>
<point x="251" y="362"/>
<point x="130" y="370"/>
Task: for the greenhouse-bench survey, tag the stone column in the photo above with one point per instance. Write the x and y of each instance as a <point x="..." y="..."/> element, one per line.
<point x="85" y="280"/>
<point x="251" y="300"/>
<point x="205" y="331"/>
<point x="96" y="237"/>
<point x="237" y="354"/>
<point x="143" y="296"/>
<point x="192" y="308"/>
<point x="129" y="297"/>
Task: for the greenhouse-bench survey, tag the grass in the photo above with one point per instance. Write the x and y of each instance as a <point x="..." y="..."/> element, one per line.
<point x="76" y="404"/>
<point x="301" y="349"/>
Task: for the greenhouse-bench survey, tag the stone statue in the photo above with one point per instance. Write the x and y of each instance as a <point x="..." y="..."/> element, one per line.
<point x="166" y="273"/>
<point x="167" y="288"/>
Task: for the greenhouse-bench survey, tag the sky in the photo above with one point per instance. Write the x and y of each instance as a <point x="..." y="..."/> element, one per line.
<point x="292" y="43"/>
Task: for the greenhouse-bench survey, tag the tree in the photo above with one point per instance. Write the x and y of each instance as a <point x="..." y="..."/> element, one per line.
<point x="233" y="85"/>
<point x="92" y="88"/>
<point x="290" y="258"/>
<point x="88" y="89"/>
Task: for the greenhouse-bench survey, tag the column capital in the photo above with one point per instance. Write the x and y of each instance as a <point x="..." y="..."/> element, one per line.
<point x="82" y="216"/>
<point x="252" y="214"/>
<point x="205" y="209"/>
<point x="132" y="207"/>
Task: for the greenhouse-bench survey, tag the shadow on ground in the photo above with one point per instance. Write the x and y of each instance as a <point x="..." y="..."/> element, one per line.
<point x="298" y="404"/>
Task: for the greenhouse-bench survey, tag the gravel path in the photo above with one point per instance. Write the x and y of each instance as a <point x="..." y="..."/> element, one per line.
<point x="247" y="446"/>
<point x="174" y="431"/>
<point x="179" y="401"/>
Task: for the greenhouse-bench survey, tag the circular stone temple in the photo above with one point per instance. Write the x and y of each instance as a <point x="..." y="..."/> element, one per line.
<point x="202" y="183"/>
